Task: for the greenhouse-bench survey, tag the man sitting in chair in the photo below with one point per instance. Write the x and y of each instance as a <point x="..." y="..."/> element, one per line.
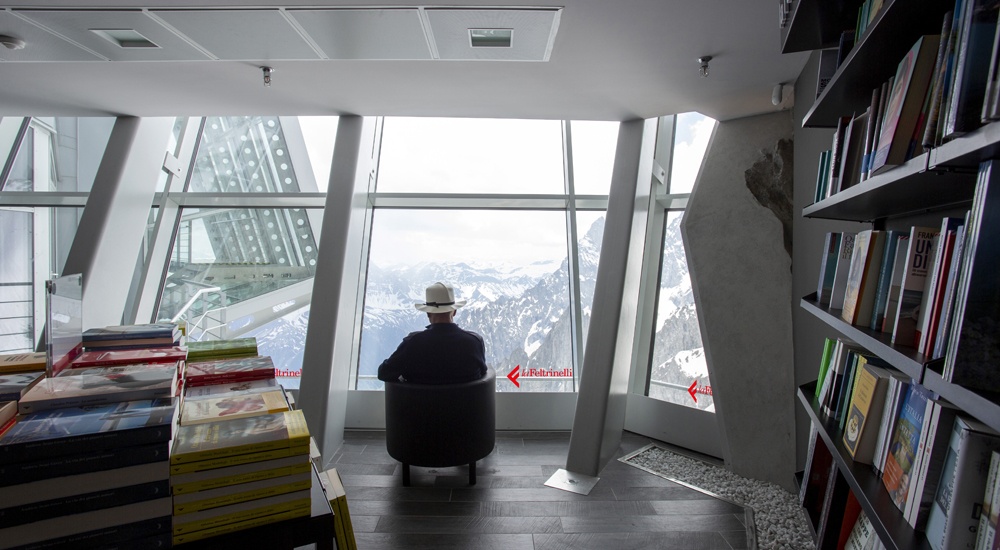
<point x="442" y="353"/>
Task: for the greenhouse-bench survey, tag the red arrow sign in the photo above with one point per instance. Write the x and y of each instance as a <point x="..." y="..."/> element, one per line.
<point x="692" y="389"/>
<point x="514" y="375"/>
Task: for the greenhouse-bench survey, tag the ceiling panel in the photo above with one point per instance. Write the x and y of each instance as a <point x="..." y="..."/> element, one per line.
<point x="77" y="24"/>
<point x="41" y="45"/>
<point x="240" y="35"/>
<point x="534" y="32"/>
<point x="365" y="33"/>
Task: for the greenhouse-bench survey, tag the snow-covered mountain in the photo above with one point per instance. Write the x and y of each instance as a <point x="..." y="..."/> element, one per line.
<point x="522" y="314"/>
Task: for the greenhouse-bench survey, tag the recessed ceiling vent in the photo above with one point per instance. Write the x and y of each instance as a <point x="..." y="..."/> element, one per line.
<point x="125" y="38"/>
<point x="491" y="38"/>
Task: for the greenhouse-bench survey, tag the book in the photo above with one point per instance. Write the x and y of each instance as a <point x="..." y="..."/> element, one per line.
<point x="97" y="522"/>
<point x="906" y="100"/>
<point x="990" y="104"/>
<point x="854" y="142"/>
<point x="852" y="510"/>
<point x="895" y="285"/>
<point x="132" y="332"/>
<point x="854" y="368"/>
<point x="859" y="298"/>
<point x="90" y="482"/>
<point x="221" y="349"/>
<point x="333" y="486"/>
<point x="939" y="417"/>
<point x="843" y="270"/>
<point x="979" y="24"/>
<point x="824" y="362"/>
<point x="820" y="192"/>
<point x="869" y="143"/>
<point x="226" y="495"/>
<point x="11" y="515"/>
<point x="892" y="240"/>
<point x="297" y="501"/>
<point x="240" y="436"/>
<point x="862" y="535"/>
<point x="68" y="431"/>
<point x="111" y="357"/>
<point x="213" y="409"/>
<point x="828" y="267"/>
<point x="189" y="482"/>
<point x="984" y="537"/>
<point x="940" y="78"/>
<point x="82" y="462"/>
<point x="14" y="386"/>
<point x="203" y="373"/>
<point x="231" y="388"/>
<point x="972" y="349"/>
<point x="990" y="539"/>
<point x="898" y="386"/>
<point x="837" y="154"/>
<point x="137" y="535"/>
<point x="903" y="449"/>
<point x="827" y="68"/>
<point x="954" y="514"/>
<point x="930" y="299"/>
<point x="920" y="248"/>
<point x="102" y="385"/>
<point x="22" y="362"/>
<point x="865" y="413"/>
<point x="254" y="521"/>
<point x="883" y="100"/>
<point x="948" y="298"/>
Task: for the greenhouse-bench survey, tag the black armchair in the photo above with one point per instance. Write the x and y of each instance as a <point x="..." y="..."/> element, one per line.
<point x="441" y="425"/>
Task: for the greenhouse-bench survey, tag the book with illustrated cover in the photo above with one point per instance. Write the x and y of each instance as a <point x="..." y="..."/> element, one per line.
<point x="892" y="242"/>
<point x="975" y="48"/>
<point x="220" y="349"/>
<point x="240" y="436"/>
<point x="14" y="386"/>
<point x="113" y="357"/>
<point x="934" y="283"/>
<point x="203" y="373"/>
<point x="197" y="501"/>
<point x="828" y="268"/>
<point x="189" y="482"/>
<point x="903" y="448"/>
<point x="920" y="250"/>
<point x="891" y="305"/>
<point x="225" y="407"/>
<point x="933" y="448"/>
<point x="22" y="362"/>
<point x="859" y="297"/>
<point x="101" y="385"/>
<point x="68" y="431"/>
<point x="913" y="76"/>
<point x="231" y="388"/>
<point x="864" y="414"/>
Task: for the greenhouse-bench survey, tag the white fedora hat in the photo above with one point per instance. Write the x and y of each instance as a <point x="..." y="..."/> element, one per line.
<point x="439" y="298"/>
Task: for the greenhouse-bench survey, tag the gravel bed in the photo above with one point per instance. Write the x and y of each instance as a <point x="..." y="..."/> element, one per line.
<point x="780" y="522"/>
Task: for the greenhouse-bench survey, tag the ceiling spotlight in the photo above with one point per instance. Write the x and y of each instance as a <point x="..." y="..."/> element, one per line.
<point x="703" y="69"/>
<point x="11" y="43"/>
<point x="267" y="76"/>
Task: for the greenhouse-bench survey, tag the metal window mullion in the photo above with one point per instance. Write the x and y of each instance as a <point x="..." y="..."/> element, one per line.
<point x="572" y="255"/>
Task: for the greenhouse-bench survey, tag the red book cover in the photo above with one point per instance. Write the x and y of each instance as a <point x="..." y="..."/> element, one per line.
<point x="204" y="373"/>
<point x="128" y="357"/>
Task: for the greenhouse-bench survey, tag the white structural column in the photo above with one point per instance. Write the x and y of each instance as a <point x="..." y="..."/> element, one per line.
<point x="333" y="314"/>
<point x="600" y="409"/>
<point x="113" y="223"/>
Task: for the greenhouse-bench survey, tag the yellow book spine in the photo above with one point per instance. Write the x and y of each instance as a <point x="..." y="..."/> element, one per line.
<point x="238" y="526"/>
<point x="221" y="462"/>
<point x="243" y="496"/>
<point x="348" y="525"/>
<point x="298" y="505"/>
<point x="195" y="486"/>
<point x="297" y="436"/>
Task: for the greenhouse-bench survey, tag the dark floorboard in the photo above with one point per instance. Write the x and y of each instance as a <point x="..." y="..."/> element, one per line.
<point x="510" y="507"/>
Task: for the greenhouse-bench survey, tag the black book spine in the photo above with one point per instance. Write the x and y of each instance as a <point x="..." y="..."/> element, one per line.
<point x="74" y="504"/>
<point x="65" y="446"/>
<point x="119" y="536"/>
<point x="106" y="459"/>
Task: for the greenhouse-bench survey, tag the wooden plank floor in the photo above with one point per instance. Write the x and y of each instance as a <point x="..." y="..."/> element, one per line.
<point x="510" y="508"/>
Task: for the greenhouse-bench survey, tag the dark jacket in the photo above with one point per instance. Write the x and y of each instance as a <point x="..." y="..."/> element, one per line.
<point x="443" y="353"/>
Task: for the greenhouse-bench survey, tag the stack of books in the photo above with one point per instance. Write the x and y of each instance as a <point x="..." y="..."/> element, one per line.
<point x="228" y="371"/>
<point x="88" y="476"/>
<point x="132" y="336"/>
<point x="231" y="475"/>
<point x="19" y="372"/>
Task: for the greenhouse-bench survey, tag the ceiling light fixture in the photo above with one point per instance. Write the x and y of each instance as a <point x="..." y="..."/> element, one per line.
<point x="267" y="76"/>
<point x="703" y="69"/>
<point x="11" y="42"/>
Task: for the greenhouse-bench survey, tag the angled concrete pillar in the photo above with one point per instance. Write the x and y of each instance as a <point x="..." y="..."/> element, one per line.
<point x="600" y="409"/>
<point x="735" y="229"/>
<point x="334" y="311"/>
<point x="113" y="223"/>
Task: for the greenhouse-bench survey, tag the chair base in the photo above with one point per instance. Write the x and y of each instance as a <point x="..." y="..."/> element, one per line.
<point x="406" y="473"/>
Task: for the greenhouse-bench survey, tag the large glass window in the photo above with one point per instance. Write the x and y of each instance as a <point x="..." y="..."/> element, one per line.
<point x="594" y="146"/>
<point x="678" y="369"/>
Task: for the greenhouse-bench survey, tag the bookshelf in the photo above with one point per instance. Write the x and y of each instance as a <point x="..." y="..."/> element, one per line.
<point x="942" y="179"/>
